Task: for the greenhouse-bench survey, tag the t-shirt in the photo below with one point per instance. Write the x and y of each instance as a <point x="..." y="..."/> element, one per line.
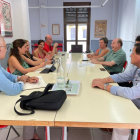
<point x="101" y="50"/>
<point x="47" y="48"/>
<point x="118" y="57"/>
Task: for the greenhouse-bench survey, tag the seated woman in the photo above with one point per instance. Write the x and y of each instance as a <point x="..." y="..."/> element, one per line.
<point x="39" y="52"/>
<point x="12" y="85"/>
<point x="33" y="58"/>
<point x="103" y="50"/>
<point x="18" y="63"/>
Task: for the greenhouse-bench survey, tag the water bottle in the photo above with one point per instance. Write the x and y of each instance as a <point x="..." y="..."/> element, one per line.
<point x="60" y="75"/>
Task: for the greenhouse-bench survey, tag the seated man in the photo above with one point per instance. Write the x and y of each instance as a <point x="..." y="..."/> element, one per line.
<point x="125" y="92"/>
<point x="48" y="48"/>
<point x="103" y="50"/>
<point x="115" y="59"/>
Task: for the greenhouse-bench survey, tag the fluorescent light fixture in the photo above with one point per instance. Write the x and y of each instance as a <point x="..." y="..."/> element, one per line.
<point x="87" y="6"/>
<point x="104" y="3"/>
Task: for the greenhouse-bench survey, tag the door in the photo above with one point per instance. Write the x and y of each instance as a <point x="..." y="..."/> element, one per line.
<point x="76" y="26"/>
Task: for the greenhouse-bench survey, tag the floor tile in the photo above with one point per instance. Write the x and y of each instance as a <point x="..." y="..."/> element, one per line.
<point x="80" y="134"/>
<point x="99" y="135"/>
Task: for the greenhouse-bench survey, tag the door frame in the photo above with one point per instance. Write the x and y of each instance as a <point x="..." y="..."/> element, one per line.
<point x="76" y="23"/>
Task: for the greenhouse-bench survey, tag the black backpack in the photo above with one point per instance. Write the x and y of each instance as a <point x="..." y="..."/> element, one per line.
<point x="46" y="100"/>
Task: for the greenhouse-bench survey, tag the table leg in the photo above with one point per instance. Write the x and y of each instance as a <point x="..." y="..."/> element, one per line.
<point x="47" y="133"/>
<point x="64" y="133"/>
<point x="135" y="136"/>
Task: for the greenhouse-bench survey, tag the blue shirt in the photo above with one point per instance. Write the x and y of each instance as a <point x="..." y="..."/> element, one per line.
<point x="9" y="84"/>
<point x="126" y="92"/>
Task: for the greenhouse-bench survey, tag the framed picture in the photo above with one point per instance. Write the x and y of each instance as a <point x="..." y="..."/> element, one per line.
<point x="55" y="29"/>
<point x="100" y="28"/>
<point x="5" y="19"/>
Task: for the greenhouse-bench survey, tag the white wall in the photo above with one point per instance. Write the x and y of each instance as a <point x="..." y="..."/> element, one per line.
<point x="126" y="19"/>
<point x="110" y="13"/>
<point x="137" y="19"/>
<point x="128" y="24"/>
<point x="55" y="16"/>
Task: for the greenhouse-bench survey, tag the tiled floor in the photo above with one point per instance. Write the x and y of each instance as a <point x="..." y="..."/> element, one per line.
<point x="56" y="134"/>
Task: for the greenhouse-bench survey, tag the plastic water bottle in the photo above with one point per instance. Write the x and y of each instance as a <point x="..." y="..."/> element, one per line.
<point x="60" y="75"/>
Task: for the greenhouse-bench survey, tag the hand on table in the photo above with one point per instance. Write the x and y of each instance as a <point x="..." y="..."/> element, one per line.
<point x="49" y="62"/>
<point x="43" y="64"/>
<point x="89" y="55"/>
<point x="94" y="61"/>
<point x="33" y="80"/>
<point x="98" y="83"/>
<point x="23" y="78"/>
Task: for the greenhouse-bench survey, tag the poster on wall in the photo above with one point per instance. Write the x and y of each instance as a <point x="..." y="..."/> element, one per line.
<point x="5" y="19"/>
<point x="55" y="29"/>
<point x="100" y="28"/>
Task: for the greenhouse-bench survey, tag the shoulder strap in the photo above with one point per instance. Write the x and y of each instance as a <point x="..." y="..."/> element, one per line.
<point x="30" y="97"/>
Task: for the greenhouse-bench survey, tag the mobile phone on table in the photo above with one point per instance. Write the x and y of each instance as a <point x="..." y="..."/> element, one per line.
<point x="102" y="69"/>
<point x="85" y="60"/>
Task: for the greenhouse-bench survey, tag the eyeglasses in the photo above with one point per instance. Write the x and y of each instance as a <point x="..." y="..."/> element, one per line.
<point x="6" y="47"/>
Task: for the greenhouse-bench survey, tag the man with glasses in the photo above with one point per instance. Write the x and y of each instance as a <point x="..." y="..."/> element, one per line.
<point x="48" y="48"/>
<point x="125" y="92"/>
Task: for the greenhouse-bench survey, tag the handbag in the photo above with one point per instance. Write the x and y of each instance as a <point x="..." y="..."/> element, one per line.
<point x="46" y="100"/>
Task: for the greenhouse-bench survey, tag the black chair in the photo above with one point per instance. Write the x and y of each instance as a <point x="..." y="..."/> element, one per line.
<point x="76" y="48"/>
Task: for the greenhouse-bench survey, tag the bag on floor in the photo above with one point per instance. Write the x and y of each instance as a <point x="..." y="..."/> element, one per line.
<point x="46" y="100"/>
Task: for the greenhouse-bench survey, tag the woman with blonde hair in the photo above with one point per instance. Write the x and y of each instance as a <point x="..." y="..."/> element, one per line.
<point x="18" y="63"/>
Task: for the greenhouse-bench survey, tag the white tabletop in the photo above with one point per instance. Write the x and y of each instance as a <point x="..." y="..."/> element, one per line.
<point x="94" y="107"/>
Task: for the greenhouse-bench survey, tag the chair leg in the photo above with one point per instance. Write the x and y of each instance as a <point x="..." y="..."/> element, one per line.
<point x="8" y="133"/>
<point x="15" y="131"/>
<point x="11" y="127"/>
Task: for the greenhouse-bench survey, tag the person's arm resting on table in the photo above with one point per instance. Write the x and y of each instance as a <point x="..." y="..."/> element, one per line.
<point x="9" y="83"/>
<point x="104" y="52"/>
<point x="125" y="92"/>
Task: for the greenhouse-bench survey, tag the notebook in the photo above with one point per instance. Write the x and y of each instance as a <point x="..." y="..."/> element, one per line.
<point x="40" y="84"/>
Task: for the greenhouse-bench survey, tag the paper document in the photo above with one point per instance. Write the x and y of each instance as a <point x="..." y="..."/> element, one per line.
<point x="40" y="84"/>
<point x="48" y="66"/>
<point x="84" y="64"/>
<point x="71" y="89"/>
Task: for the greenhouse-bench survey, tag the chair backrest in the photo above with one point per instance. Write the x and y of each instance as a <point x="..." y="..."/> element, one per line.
<point x="97" y="50"/>
<point x="125" y="65"/>
<point x="3" y="126"/>
<point x="8" y="70"/>
<point x="77" y="48"/>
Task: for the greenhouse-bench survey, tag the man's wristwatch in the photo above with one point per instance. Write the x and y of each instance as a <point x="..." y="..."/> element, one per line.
<point x="106" y="84"/>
